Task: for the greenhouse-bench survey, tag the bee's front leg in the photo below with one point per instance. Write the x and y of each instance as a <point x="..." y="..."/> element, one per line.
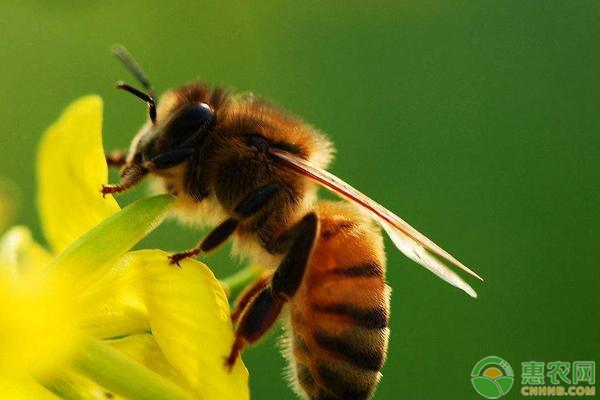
<point x="116" y="158"/>
<point x="131" y="175"/>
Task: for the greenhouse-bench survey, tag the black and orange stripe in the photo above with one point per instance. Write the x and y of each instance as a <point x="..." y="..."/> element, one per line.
<point x="340" y="315"/>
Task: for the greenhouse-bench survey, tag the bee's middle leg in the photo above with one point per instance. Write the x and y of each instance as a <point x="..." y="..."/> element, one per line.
<point x="249" y="206"/>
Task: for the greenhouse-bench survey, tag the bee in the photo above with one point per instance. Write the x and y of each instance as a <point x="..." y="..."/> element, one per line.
<point x="251" y="171"/>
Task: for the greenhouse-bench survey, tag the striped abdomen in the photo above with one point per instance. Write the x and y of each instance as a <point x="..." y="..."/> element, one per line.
<point x="339" y="317"/>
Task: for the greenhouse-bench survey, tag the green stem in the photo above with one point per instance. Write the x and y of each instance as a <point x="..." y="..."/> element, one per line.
<point x="237" y="282"/>
<point x="120" y="374"/>
<point x="62" y="385"/>
<point x="87" y="259"/>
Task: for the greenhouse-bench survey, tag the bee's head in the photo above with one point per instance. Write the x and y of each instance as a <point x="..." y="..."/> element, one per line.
<point x="173" y="134"/>
<point x="182" y="130"/>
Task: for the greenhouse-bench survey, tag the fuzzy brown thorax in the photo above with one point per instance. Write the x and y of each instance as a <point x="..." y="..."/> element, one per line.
<point x="231" y="160"/>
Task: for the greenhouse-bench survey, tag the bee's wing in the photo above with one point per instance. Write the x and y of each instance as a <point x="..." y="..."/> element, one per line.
<point x="409" y="241"/>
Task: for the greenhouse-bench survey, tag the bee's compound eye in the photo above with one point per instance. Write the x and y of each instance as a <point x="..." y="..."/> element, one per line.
<point x="192" y="119"/>
<point x="200" y="115"/>
<point x="205" y="113"/>
<point x="206" y="107"/>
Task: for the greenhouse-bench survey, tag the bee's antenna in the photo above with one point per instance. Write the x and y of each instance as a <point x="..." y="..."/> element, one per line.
<point x="130" y="63"/>
<point x="144" y="96"/>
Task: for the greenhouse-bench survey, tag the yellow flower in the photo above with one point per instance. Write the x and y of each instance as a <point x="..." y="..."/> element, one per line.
<point x="87" y="317"/>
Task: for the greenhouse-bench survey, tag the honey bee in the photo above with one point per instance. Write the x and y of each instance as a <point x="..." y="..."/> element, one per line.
<point x="251" y="170"/>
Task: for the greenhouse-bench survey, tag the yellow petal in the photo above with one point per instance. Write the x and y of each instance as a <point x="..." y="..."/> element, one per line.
<point x="144" y="349"/>
<point x="71" y="169"/>
<point x="21" y="253"/>
<point x="25" y="388"/>
<point x="37" y="330"/>
<point x="114" y="305"/>
<point x="190" y="320"/>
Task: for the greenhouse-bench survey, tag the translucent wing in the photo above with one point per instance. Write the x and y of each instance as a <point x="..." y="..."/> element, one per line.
<point x="409" y="241"/>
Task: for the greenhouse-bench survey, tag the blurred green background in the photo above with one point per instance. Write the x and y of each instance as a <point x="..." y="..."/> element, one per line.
<point x="477" y="121"/>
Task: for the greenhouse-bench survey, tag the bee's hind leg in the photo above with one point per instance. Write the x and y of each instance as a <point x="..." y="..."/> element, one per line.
<point x="264" y="308"/>
<point x="249" y="206"/>
<point x="242" y="301"/>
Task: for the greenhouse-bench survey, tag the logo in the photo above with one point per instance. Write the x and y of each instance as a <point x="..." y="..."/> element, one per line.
<point x="492" y="377"/>
<point x="565" y="378"/>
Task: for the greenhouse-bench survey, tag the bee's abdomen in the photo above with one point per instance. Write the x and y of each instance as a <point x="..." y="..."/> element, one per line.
<point x="340" y="344"/>
<point x="339" y="318"/>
